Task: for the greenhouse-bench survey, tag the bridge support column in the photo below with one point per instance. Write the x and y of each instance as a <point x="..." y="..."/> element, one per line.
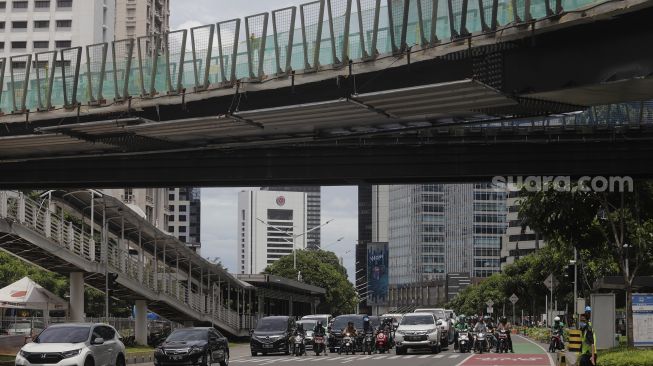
<point x="140" y="332"/>
<point x="3" y="204"/>
<point x="261" y="307"/>
<point x="290" y="306"/>
<point x="76" y="310"/>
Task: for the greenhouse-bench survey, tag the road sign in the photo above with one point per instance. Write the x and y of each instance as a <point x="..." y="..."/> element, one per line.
<point x="489" y="303"/>
<point x="490" y="310"/>
<point x="513" y="299"/>
<point x="551" y="282"/>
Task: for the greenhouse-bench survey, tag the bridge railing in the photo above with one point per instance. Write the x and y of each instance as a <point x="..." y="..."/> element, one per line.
<point x="322" y="34"/>
<point x="154" y="276"/>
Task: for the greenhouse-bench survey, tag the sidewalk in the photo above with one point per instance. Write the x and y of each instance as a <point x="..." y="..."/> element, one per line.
<point x="571" y="357"/>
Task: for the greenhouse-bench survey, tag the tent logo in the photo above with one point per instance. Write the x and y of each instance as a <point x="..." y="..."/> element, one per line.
<point x="281" y="200"/>
<point x="18" y="294"/>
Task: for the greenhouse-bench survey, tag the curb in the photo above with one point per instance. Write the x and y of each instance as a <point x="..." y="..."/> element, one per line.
<point x="134" y="358"/>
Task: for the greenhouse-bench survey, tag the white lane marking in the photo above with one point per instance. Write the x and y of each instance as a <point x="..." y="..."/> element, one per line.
<point x="380" y="357"/>
<point x="393" y="357"/>
<point x="454" y="356"/>
<point x="465" y="360"/>
<point x="543" y="349"/>
<point x="347" y="360"/>
<point x="438" y="356"/>
<point x="424" y="356"/>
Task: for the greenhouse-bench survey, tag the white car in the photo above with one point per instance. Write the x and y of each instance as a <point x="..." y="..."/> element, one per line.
<point x="440" y="315"/>
<point x="74" y="345"/>
<point x="418" y="331"/>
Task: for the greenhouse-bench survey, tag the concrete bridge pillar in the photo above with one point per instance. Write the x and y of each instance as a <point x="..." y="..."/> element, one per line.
<point x="140" y="331"/>
<point x="76" y="310"/>
<point x="3" y="204"/>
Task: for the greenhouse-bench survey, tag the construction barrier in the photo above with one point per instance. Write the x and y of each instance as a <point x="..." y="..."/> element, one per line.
<point x="561" y="359"/>
<point x="575" y="340"/>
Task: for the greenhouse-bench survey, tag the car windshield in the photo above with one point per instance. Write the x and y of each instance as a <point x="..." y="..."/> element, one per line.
<point x="272" y="325"/>
<point x="183" y="335"/>
<point x="308" y="324"/>
<point x="341" y="322"/>
<point x="417" y="320"/>
<point x="64" y="335"/>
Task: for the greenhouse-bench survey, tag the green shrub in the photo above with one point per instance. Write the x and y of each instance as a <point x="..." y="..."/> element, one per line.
<point x="625" y="357"/>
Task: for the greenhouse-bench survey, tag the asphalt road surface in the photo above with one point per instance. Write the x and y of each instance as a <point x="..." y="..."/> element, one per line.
<point x="526" y="354"/>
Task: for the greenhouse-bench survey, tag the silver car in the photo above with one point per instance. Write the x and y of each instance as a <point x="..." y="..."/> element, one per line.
<point x="74" y="345"/>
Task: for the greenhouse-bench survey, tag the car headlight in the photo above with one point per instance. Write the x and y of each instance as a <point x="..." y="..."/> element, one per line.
<point x="196" y="350"/>
<point x="23" y="353"/>
<point x="401" y="332"/>
<point x="69" y="354"/>
<point x="433" y="331"/>
<point x="159" y="350"/>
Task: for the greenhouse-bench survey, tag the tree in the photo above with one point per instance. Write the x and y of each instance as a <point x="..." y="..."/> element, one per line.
<point x="616" y="227"/>
<point x="322" y="269"/>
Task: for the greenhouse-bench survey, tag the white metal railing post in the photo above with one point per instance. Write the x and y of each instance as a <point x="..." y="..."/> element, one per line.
<point x="140" y="256"/>
<point x="71" y="237"/>
<point x="21" y="207"/>
<point x="47" y="225"/>
<point x="3" y="203"/>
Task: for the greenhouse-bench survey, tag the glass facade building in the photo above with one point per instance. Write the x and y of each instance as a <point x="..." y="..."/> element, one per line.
<point x="437" y="229"/>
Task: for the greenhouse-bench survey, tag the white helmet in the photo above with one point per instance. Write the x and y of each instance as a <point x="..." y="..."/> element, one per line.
<point x="556" y="319"/>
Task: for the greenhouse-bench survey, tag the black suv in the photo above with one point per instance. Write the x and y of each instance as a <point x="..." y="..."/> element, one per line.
<point x="192" y="346"/>
<point x="340" y="323"/>
<point x="272" y="335"/>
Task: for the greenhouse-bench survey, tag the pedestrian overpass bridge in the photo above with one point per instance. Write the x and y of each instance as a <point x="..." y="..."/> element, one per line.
<point x="86" y="235"/>
<point x="436" y="85"/>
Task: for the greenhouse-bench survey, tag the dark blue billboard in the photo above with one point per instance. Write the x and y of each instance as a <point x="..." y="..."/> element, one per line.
<point x="377" y="273"/>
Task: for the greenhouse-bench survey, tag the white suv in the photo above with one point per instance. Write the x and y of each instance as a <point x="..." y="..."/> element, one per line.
<point x="74" y="345"/>
<point x="417" y="330"/>
<point x="440" y="315"/>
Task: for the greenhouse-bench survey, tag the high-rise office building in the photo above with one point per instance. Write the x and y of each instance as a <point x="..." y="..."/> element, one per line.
<point x="184" y="205"/>
<point x="445" y="228"/>
<point x="34" y="26"/>
<point x="518" y="240"/>
<point x="136" y="18"/>
<point x="314" y="194"/>
<point x="270" y="225"/>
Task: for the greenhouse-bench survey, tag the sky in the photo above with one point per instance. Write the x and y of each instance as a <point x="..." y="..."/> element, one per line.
<point x="220" y="205"/>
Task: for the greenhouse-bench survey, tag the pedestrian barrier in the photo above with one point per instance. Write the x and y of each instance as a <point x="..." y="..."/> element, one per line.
<point x="574" y="340"/>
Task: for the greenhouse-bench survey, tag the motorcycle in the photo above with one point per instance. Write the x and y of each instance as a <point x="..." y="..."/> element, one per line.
<point x="480" y="343"/>
<point x="463" y="341"/>
<point x="299" y="348"/>
<point x="491" y="340"/>
<point x="503" y="341"/>
<point x="318" y="345"/>
<point x="347" y="345"/>
<point x="556" y="342"/>
<point x="368" y="343"/>
<point x="383" y="342"/>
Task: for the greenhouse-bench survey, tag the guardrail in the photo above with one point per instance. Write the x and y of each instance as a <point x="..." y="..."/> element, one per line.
<point x="156" y="277"/>
<point x="330" y="32"/>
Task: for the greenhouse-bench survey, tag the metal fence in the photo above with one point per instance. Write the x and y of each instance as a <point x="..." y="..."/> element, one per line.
<point x="330" y="32"/>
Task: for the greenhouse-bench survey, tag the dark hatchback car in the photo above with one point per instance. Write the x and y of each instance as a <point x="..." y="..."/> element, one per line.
<point x="193" y="346"/>
<point x="340" y="323"/>
<point x="272" y="335"/>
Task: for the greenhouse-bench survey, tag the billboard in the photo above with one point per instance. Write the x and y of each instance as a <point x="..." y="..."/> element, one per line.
<point x="377" y="273"/>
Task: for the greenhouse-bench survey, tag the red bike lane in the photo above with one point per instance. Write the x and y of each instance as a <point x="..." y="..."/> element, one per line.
<point x="507" y="360"/>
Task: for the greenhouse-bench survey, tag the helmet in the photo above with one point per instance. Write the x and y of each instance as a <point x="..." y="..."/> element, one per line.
<point x="556" y="319"/>
<point x="319" y="323"/>
<point x="588" y="309"/>
<point x="504" y="320"/>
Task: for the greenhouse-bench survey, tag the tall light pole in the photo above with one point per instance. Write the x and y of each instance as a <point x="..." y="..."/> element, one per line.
<point x="294" y="239"/>
<point x="575" y="263"/>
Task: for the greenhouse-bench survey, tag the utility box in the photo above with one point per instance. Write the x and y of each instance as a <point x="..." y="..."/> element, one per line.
<point x="604" y="320"/>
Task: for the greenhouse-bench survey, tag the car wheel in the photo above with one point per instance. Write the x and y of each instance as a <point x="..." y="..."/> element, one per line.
<point x="120" y="361"/>
<point x="225" y="360"/>
<point x="254" y="353"/>
<point x="287" y="349"/>
<point x="89" y="361"/>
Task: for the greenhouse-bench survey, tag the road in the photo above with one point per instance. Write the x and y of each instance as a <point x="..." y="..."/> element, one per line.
<point x="526" y="354"/>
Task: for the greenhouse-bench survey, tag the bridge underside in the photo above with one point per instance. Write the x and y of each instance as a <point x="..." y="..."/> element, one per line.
<point x="382" y="123"/>
<point x="380" y="160"/>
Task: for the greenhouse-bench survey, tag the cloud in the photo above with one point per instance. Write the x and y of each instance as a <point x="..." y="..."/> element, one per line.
<point x="188" y="25"/>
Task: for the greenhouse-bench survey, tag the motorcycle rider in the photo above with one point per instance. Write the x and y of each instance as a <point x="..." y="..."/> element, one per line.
<point x="479" y="327"/>
<point x="559" y="327"/>
<point x="299" y="331"/>
<point x="461" y="326"/>
<point x="351" y="329"/>
<point x="504" y="325"/>
<point x="319" y="330"/>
